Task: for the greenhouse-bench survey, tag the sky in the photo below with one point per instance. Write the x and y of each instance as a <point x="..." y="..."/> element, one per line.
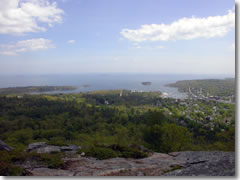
<point x="117" y="36"/>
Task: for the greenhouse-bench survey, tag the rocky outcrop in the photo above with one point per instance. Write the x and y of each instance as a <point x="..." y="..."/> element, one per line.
<point x="205" y="164"/>
<point x="42" y="147"/>
<point x="48" y="149"/>
<point x="35" y="146"/>
<point x="70" y="148"/>
<point x="158" y="164"/>
<point x="4" y="147"/>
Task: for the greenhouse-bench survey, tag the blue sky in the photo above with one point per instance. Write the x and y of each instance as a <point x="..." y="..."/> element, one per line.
<point x="150" y="36"/>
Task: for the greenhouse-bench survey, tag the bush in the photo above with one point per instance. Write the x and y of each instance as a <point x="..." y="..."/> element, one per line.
<point x="133" y="153"/>
<point x="57" y="141"/>
<point x="52" y="160"/>
<point x="174" y="138"/>
<point x="8" y="158"/>
<point x="6" y="166"/>
<point x="128" y="152"/>
<point x="99" y="152"/>
<point x="13" y="156"/>
<point x="22" y="136"/>
<point x="7" y="169"/>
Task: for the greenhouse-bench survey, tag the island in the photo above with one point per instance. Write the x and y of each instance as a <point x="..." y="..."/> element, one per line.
<point x="35" y="89"/>
<point x="147" y="83"/>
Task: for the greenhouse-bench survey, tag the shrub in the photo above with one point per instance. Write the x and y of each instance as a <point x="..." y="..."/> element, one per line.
<point x="128" y="152"/>
<point x="57" y="141"/>
<point x="113" y="151"/>
<point x="174" y="138"/>
<point x="99" y="152"/>
<point x="52" y="160"/>
<point x="133" y="153"/>
<point x="7" y="169"/>
<point x="6" y="166"/>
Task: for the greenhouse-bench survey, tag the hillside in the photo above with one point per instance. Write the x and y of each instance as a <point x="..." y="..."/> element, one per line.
<point x="119" y="125"/>
<point x="208" y="87"/>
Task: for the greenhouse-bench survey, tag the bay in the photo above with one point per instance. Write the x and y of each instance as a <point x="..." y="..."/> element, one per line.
<point x="96" y="81"/>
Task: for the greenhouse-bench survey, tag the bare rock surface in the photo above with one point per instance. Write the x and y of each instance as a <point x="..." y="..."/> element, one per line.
<point x="34" y="146"/>
<point x="48" y="149"/>
<point x="43" y="147"/>
<point x="51" y="172"/>
<point x="158" y="164"/>
<point x="206" y="164"/>
<point x="4" y="146"/>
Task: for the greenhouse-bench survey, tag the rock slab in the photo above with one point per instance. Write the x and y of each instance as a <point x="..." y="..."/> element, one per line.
<point x="158" y="164"/>
<point x="4" y="147"/>
<point x="206" y="164"/>
<point x="43" y="147"/>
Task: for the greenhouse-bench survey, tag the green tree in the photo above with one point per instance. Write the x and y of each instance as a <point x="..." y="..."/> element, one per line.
<point x="152" y="135"/>
<point x="21" y="136"/>
<point x="226" y="140"/>
<point x="121" y="136"/>
<point x="174" y="138"/>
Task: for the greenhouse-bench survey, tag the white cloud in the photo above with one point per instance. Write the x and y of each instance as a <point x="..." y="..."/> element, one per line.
<point x="71" y="41"/>
<point x="21" y="16"/>
<point x="233" y="46"/>
<point x="14" y="49"/>
<point x="183" y="29"/>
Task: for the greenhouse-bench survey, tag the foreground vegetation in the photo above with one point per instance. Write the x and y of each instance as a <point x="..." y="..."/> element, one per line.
<point x="10" y="162"/>
<point x="110" y="124"/>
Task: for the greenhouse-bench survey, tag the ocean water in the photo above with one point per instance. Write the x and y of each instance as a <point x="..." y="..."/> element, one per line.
<point x="104" y="81"/>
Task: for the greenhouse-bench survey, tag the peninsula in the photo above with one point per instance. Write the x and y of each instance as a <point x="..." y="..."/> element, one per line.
<point x="35" y="89"/>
